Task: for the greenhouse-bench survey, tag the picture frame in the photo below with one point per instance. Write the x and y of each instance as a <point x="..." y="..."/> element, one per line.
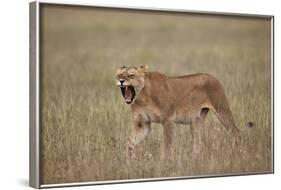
<point x="37" y="71"/>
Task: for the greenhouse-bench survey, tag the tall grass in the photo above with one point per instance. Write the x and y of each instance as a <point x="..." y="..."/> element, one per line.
<point x="85" y="122"/>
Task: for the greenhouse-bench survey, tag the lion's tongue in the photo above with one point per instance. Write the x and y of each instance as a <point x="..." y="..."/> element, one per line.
<point x="128" y="94"/>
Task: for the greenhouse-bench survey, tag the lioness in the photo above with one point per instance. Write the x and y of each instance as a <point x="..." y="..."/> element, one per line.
<point x="157" y="98"/>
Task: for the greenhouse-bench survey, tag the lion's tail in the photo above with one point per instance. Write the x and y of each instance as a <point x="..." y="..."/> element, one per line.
<point x="250" y="125"/>
<point x="225" y="116"/>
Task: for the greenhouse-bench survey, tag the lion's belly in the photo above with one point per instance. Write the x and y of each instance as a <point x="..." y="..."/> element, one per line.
<point x="156" y="117"/>
<point x="183" y="119"/>
<point x="184" y="116"/>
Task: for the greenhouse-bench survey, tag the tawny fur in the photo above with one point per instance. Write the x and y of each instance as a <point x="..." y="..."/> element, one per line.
<point x="169" y="100"/>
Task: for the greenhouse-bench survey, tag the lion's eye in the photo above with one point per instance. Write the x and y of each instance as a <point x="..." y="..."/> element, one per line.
<point x="131" y="76"/>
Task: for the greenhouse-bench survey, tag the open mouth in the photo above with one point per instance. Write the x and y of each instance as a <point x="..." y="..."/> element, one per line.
<point x="128" y="93"/>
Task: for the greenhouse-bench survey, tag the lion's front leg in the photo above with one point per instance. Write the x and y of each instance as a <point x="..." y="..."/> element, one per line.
<point x="167" y="153"/>
<point x="140" y="130"/>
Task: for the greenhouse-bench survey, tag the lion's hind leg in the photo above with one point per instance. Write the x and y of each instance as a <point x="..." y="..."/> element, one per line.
<point x="204" y="112"/>
<point x="198" y="133"/>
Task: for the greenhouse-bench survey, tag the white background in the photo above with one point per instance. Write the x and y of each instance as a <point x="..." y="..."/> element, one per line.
<point x="14" y="84"/>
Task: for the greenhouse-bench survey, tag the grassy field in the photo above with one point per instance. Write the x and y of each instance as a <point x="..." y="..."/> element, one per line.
<point x="85" y="122"/>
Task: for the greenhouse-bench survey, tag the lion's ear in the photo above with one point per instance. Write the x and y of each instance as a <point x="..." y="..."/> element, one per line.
<point x="143" y="68"/>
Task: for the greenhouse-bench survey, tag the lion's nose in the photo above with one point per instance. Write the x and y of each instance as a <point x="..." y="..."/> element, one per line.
<point x="122" y="81"/>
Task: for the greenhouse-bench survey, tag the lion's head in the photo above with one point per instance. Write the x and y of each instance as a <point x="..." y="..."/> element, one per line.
<point x="131" y="81"/>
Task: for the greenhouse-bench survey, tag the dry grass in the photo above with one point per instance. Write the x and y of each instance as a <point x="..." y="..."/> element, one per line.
<point x="85" y="122"/>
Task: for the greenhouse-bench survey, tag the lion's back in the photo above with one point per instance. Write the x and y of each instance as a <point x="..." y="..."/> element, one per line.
<point x="180" y="94"/>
